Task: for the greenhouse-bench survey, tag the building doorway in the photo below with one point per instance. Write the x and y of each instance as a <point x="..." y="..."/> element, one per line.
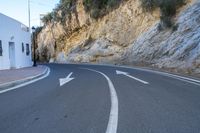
<point x="12" y="55"/>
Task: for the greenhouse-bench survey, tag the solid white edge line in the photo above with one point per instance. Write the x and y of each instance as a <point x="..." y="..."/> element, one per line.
<point x="188" y="81"/>
<point x="185" y="78"/>
<point x="181" y="78"/>
<point x="113" y="118"/>
<point x="26" y="83"/>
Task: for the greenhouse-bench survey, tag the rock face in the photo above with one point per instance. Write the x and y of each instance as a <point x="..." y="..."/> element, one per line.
<point x="176" y="49"/>
<point x="120" y="27"/>
<point x="99" y="51"/>
<point x="127" y="35"/>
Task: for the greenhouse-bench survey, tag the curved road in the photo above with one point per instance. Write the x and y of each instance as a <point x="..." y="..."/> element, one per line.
<point x="102" y="99"/>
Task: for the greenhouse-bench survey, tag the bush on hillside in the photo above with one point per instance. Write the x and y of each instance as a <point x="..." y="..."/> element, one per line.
<point x="98" y="8"/>
<point x="38" y="30"/>
<point x="167" y="7"/>
<point x="47" y="18"/>
<point x="149" y="5"/>
<point x="61" y="12"/>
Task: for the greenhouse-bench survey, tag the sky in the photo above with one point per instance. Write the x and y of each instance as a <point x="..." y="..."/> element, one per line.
<point x="18" y="9"/>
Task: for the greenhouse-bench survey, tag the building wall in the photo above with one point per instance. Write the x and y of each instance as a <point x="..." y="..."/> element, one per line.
<point x="13" y="31"/>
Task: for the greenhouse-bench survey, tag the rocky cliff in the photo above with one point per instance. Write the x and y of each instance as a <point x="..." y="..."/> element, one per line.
<point x="176" y="49"/>
<point x="119" y="28"/>
<point x="126" y="35"/>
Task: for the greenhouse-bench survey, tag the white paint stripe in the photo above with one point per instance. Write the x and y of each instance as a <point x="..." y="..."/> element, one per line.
<point x="113" y="118"/>
<point x="185" y="78"/>
<point x="189" y="80"/>
<point x="181" y="78"/>
<point x="27" y="83"/>
<point x="63" y="81"/>
<point x="193" y="80"/>
<point x="28" y="78"/>
<point x="70" y="75"/>
<point x="137" y="79"/>
<point x="127" y="74"/>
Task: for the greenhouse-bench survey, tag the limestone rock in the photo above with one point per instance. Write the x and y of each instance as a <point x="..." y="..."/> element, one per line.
<point x="178" y="49"/>
<point x="126" y="35"/>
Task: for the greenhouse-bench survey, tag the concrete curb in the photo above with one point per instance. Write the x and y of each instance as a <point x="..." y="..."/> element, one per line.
<point x="18" y="82"/>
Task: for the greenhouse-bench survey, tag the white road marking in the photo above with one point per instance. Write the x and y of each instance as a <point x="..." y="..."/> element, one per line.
<point x="127" y="74"/>
<point x="113" y="118"/>
<point x="66" y="80"/>
<point x="188" y="81"/>
<point x="26" y="83"/>
<point x="181" y="78"/>
<point x="193" y="80"/>
<point x="25" y="79"/>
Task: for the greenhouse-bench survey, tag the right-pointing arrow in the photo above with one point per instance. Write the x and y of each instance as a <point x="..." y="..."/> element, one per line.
<point x="127" y="74"/>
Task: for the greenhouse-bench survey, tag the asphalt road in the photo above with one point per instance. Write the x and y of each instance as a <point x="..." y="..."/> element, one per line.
<point x="97" y="99"/>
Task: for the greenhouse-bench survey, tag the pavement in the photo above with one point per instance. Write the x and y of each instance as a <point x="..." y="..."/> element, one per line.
<point x="13" y="77"/>
<point x="102" y="99"/>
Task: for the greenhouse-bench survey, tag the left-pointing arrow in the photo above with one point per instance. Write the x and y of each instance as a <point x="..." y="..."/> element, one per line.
<point x="66" y="80"/>
<point x="127" y="74"/>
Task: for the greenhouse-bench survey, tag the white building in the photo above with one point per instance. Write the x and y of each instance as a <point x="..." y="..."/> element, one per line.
<point x="15" y="44"/>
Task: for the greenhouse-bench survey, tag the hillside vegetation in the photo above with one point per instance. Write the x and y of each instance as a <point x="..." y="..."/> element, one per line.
<point x="99" y="8"/>
<point x="96" y="9"/>
<point x="168" y="9"/>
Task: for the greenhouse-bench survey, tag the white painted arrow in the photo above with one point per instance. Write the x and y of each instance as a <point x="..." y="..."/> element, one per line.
<point x="128" y="75"/>
<point x="66" y="80"/>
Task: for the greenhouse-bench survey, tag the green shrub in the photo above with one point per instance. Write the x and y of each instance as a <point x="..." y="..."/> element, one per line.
<point x="149" y="5"/>
<point x="38" y="30"/>
<point x="166" y="21"/>
<point x="47" y="18"/>
<point x="95" y="13"/>
<point x="98" y="8"/>
<point x="167" y="7"/>
<point x="112" y="3"/>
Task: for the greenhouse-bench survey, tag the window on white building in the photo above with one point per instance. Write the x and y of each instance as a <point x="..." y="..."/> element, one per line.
<point x="1" y="49"/>
<point x="22" y="47"/>
<point x="27" y="49"/>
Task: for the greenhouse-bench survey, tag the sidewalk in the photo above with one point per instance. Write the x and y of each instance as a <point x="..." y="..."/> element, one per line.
<point x="10" y="78"/>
